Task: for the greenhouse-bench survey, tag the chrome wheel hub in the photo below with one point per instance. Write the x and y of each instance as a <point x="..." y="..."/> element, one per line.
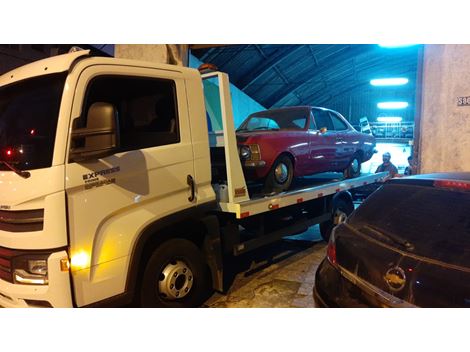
<point x="281" y="173"/>
<point x="175" y="281"/>
<point x="355" y="165"/>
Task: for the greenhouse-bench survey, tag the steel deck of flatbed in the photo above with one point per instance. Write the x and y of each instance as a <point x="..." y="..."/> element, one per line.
<point x="267" y="203"/>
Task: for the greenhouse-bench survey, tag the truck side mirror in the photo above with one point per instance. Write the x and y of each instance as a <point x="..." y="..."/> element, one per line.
<point x="100" y="137"/>
<point x="323" y="130"/>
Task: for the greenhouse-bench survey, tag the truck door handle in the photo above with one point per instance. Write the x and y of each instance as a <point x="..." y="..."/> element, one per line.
<point x="190" y="182"/>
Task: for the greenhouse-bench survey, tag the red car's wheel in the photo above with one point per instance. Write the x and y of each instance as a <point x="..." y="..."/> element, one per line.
<point x="280" y="177"/>
<point x="354" y="168"/>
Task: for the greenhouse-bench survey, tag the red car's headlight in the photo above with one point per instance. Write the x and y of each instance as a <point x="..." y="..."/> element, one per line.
<point x="250" y="152"/>
<point x="245" y="152"/>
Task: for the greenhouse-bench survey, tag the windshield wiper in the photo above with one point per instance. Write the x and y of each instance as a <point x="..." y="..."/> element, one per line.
<point x="24" y="174"/>
<point x="394" y="238"/>
<point x="242" y="130"/>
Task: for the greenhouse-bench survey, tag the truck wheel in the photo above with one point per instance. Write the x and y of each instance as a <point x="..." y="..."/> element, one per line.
<point x="341" y="211"/>
<point x="176" y="276"/>
<point x="280" y="177"/>
<point x="354" y="168"/>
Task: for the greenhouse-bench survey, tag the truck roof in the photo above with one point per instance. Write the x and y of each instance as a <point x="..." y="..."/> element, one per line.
<point x="54" y="64"/>
<point x="65" y="62"/>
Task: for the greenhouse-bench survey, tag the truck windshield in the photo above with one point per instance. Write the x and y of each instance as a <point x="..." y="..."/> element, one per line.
<point x="29" y="112"/>
<point x="275" y="120"/>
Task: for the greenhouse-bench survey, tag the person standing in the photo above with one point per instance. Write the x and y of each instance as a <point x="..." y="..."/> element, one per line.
<point x="409" y="170"/>
<point x="387" y="165"/>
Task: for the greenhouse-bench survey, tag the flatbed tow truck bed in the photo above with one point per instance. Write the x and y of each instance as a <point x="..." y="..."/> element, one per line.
<point x="305" y="189"/>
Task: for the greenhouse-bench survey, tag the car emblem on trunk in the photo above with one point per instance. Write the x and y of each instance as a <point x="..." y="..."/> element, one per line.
<point x="395" y="278"/>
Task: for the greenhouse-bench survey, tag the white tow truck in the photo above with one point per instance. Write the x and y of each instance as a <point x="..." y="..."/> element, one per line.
<point x="106" y="195"/>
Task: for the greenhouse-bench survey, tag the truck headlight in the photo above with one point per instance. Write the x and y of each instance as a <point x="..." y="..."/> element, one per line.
<point x="30" y="270"/>
<point x="245" y="152"/>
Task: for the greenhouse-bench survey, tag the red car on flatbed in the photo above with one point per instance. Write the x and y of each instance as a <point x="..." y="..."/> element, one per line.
<point x="277" y="145"/>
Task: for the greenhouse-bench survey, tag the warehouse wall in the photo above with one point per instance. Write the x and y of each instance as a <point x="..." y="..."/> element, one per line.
<point x="444" y="143"/>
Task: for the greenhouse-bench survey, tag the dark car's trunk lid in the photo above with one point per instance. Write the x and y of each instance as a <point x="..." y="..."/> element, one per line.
<point x="414" y="247"/>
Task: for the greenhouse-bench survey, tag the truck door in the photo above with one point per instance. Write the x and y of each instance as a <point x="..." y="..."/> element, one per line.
<point x="111" y="199"/>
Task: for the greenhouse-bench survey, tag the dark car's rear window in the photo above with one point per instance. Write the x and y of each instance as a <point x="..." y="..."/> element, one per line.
<point x="435" y="220"/>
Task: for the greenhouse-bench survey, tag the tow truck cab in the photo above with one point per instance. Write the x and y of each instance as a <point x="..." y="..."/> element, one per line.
<point x="110" y="151"/>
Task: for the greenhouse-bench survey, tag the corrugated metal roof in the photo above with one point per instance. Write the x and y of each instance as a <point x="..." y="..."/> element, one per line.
<point x="331" y="75"/>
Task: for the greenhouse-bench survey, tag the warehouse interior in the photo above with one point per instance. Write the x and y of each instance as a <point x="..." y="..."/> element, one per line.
<point x="412" y="99"/>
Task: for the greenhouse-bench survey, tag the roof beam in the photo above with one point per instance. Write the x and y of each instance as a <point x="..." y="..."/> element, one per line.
<point x="239" y="49"/>
<point x="351" y="51"/>
<point x="269" y="63"/>
<point x="351" y="89"/>
<point x="313" y="55"/>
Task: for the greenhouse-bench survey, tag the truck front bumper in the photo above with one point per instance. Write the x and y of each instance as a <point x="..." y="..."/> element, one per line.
<point x="57" y="293"/>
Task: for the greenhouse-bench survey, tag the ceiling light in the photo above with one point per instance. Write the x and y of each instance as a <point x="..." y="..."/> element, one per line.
<point x="393" y="105"/>
<point x="389" y="81"/>
<point x="389" y="119"/>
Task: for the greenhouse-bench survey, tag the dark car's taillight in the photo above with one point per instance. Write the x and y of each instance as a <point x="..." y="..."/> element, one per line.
<point x="331" y="250"/>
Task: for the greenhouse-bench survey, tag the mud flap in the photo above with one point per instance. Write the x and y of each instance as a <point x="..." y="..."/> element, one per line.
<point x="212" y="249"/>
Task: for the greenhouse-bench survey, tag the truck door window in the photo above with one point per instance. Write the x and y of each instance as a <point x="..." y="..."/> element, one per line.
<point x="147" y="109"/>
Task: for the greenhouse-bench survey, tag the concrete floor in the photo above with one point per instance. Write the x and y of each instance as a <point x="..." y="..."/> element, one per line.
<point x="279" y="275"/>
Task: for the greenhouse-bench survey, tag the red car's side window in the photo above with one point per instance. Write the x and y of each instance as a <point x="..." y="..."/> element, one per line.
<point x="322" y="119"/>
<point x="338" y="123"/>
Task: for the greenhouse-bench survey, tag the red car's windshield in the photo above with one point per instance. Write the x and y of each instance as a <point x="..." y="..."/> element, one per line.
<point x="276" y="120"/>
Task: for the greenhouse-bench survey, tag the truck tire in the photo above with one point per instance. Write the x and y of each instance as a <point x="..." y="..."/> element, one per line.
<point x="281" y="175"/>
<point x="354" y="168"/>
<point x="341" y="210"/>
<point x="176" y="276"/>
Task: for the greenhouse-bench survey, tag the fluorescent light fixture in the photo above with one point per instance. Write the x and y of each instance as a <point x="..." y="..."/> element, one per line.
<point x="389" y="81"/>
<point x="392" y="105"/>
<point x="395" y="45"/>
<point x="389" y="119"/>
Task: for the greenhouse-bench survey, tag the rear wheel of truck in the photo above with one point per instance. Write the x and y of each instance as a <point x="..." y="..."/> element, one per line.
<point x="341" y="210"/>
<point x="176" y="276"/>
<point x="281" y="175"/>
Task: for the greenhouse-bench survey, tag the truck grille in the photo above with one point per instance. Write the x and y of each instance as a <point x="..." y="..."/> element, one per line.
<point x="22" y="221"/>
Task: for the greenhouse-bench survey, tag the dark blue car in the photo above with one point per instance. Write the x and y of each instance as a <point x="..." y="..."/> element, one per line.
<point x="407" y="245"/>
